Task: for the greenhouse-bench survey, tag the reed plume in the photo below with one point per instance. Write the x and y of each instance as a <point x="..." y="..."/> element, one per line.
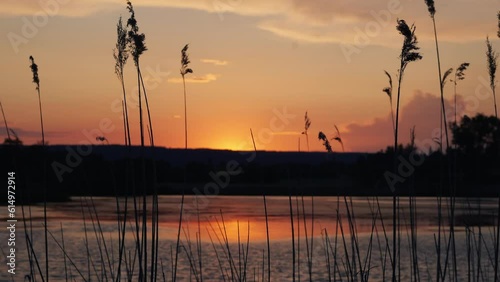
<point x="185" y="70"/>
<point x="445" y="76"/>
<point x="459" y="75"/>
<point x="492" y="59"/>
<point x="120" y="54"/>
<point x="430" y="7"/>
<point x="307" y="124"/>
<point x="135" y="39"/>
<point x="338" y="138"/>
<point x="36" y="81"/>
<point x="498" y="16"/>
<point x="409" y="53"/>
<point x="388" y="91"/>
<point x="326" y="143"/>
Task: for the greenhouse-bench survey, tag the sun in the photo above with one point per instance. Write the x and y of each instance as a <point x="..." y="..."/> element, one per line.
<point x="233" y="144"/>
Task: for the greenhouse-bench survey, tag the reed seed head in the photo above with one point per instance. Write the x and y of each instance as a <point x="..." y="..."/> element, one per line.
<point x="498" y="16"/>
<point x="430" y="7"/>
<point x="492" y="58"/>
<point x="34" y="70"/>
<point x="135" y="39"/>
<point x="409" y="51"/>
<point x="388" y="90"/>
<point x="120" y="52"/>
<point x="459" y="73"/>
<point x="185" y="61"/>
<point x="445" y="77"/>
<point x="338" y="138"/>
<point x="326" y="143"/>
<point x="307" y="123"/>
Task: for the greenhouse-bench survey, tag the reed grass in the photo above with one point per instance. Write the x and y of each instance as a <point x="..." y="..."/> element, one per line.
<point x="293" y="236"/>
<point x="174" y="270"/>
<point x="492" y="60"/>
<point x="409" y="53"/>
<point x="432" y="13"/>
<point x="459" y="75"/>
<point x="36" y="81"/>
<point x="326" y="142"/>
<point x="354" y="262"/>
<point x="185" y="70"/>
<point x="498" y="17"/>
<point x="120" y="54"/>
<point x="388" y="91"/>
<point x="307" y="124"/>
<point x="443" y="80"/>
<point x="137" y="47"/>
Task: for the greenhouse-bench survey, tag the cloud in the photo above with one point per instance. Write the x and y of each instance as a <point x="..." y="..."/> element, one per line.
<point x="195" y="79"/>
<point x="299" y="34"/>
<point x="51" y="8"/>
<point x="214" y="62"/>
<point x="422" y="111"/>
<point x="314" y="21"/>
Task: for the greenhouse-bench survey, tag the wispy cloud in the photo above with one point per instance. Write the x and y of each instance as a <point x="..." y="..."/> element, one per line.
<point x="316" y="21"/>
<point x="214" y="62"/>
<point x="298" y="34"/>
<point x="195" y="79"/>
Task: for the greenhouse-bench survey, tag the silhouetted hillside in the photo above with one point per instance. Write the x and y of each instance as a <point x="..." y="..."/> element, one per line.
<point x="118" y="170"/>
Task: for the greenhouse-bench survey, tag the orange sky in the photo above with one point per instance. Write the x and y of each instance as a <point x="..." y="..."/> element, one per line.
<point x="251" y="59"/>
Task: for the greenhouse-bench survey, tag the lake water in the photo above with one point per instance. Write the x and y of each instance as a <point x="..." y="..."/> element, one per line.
<point x="242" y="219"/>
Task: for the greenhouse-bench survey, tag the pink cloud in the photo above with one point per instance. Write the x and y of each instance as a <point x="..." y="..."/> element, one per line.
<point x="422" y="111"/>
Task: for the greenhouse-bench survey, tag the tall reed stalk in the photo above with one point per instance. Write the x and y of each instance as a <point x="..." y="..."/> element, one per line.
<point x="137" y="47"/>
<point x="459" y="75"/>
<point x="120" y="55"/>
<point x="492" y="59"/>
<point x="36" y="81"/>
<point x="409" y="53"/>
<point x="185" y="70"/>
<point x="267" y="223"/>
<point x="432" y="13"/>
